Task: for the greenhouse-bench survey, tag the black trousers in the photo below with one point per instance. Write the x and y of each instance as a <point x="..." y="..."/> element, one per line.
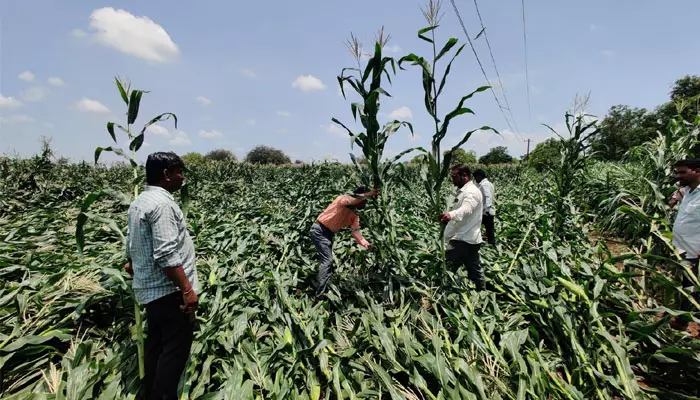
<point x="488" y="221"/>
<point x="170" y="334"/>
<point x="685" y="304"/>
<point x="467" y="255"/>
<point x="323" y="240"/>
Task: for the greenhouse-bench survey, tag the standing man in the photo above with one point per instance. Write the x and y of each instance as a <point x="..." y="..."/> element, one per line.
<point x="686" y="228"/>
<point x="463" y="231"/>
<point x="338" y="215"/>
<point x="161" y="259"/>
<point x="489" y="194"/>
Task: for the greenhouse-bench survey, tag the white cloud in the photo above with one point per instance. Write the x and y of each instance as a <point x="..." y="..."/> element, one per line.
<point x="79" y="33"/>
<point x="9" y="102"/>
<point x="308" y="83"/>
<point x="55" y="81"/>
<point x="336" y="130"/>
<point x="48" y="125"/>
<point x="210" y="134"/>
<point x="135" y="36"/>
<point x="251" y="122"/>
<point x="594" y="27"/>
<point x="180" y="139"/>
<point x="392" y="49"/>
<point x="248" y="73"/>
<point x="608" y="53"/>
<point x="282" y="131"/>
<point x="93" y="106"/>
<point x="17" y="119"/>
<point x="401" y="113"/>
<point x="284" y="113"/>
<point x="414" y="138"/>
<point x="35" y="93"/>
<point x="203" y="101"/>
<point x="146" y="144"/>
<point x="27" y="76"/>
<point x="159" y="130"/>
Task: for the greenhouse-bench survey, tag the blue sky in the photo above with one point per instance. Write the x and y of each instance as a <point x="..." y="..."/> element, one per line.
<point x="240" y="74"/>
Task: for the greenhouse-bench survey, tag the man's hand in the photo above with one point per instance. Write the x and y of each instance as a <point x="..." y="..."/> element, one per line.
<point x="369" y="247"/>
<point x="373" y="193"/>
<point x="129" y="269"/>
<point x="191" y="301"/>
<point x="445" y="218"/>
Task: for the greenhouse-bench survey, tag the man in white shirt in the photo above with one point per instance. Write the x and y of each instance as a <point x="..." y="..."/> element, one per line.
<point x="489" y="194"/>
<point x="463" y="231"/>
<point x="686" y="228"/>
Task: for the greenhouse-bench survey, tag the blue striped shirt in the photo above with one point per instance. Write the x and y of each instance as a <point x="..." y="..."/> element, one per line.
<point x="157" y="238"/>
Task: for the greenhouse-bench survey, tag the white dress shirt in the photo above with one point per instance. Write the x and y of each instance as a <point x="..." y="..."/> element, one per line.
<point x="465" y="217"/>
<point x="686" y="228"/>
<point x="488" y="192"/>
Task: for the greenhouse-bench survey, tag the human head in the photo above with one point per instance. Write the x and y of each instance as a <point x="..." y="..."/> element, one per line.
<point x="479" y="175"/>
<point x="361" y="190"/>
<point x="688" y="172"/>
<point x="165" y="170"/>
<point x="460" y="175"/>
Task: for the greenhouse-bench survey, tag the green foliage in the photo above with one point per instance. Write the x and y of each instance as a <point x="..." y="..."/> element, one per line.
<point x="222" y="155"/>
<point x="497" y="155"/>
<point x="267" y="155"/>
<point x="622" y="129"/>
<point x="546" y="155"/>
<point x="193" y="158"/>
<point x="460" y="156"/>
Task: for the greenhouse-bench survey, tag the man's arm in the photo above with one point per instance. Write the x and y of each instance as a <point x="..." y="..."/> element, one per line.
<point x="469" y="203"/>
<point x="348" y="200"/>
<point x="488" y="196"/>
<point x="357" y="234"/>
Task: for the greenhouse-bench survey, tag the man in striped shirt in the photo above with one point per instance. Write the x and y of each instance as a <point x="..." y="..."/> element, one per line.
<point x="338" y="215"/>
<point x="161" y="259"/>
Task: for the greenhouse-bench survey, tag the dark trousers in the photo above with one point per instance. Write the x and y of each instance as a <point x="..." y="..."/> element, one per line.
<point x="488" y="221"/>
<point x="323" y="240"/>
<point x="688" y="283"/>
<point x="463" y="254"/>
<point x="170" y="334"/>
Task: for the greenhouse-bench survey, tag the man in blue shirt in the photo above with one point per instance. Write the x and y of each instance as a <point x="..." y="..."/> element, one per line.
<point x="686" y="228"/>
<point x="161" y="259"/>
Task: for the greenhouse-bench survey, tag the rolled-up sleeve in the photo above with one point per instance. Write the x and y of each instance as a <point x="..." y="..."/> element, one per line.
<point x="469" y="203"/>
<point x="348" y="200"/>
<point x="164" y="225"/>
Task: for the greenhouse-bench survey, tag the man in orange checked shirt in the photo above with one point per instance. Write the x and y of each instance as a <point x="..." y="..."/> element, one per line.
<point x="338" y="215"/>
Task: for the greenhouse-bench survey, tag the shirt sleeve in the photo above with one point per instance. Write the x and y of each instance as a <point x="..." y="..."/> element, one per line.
<point x="488" y="197"/>
<point x="164" y="225"/>
<point x="467" y="206"/>
<point x="357" y="234"/>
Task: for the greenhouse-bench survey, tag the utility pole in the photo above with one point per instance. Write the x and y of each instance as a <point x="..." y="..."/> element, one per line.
<point x="528" y="148"/>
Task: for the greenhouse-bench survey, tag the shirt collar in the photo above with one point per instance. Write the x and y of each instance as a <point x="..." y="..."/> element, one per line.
<point x="466" y="186"/>
<point x="158" y="189"/>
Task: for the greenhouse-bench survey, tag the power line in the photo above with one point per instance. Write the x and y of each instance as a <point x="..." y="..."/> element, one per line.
<point x="527" y="73"/>
<point x="464" y="28"/>
<point x="493" y="60"/>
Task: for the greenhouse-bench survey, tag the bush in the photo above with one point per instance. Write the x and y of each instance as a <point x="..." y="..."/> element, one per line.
<point x="267" y="155"/>
<point x="460" y="156"/>
<point x="497" y="155"/>
<point x="193" y="158"/>
<point x="221" y="155"/>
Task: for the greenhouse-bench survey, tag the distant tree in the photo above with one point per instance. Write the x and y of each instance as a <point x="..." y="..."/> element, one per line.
<point x="220" y="155"/>
<point x="298" y="162"/>
<point x="497" y="155"/>
<point x="623" y="128"/>
<point x="267" y="155"/>
<point x="193" y="158"/>
<point x="545" y="154"/>
<point x="460" y="156"/>
<point x="418" y="159"/>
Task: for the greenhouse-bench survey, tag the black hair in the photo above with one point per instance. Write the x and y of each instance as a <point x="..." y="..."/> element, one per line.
<point x="462" y="170"/>
<point x="157" y="162"/>
<point x="691" y="163"/>
<point x="479" y="174"/>
<point x="361" y="189"/>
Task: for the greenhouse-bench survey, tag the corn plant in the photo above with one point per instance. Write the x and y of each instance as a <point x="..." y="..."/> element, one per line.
<point x="132" y="99"/>
<point x="381" y="174"/>
<point x="435" y="166"/>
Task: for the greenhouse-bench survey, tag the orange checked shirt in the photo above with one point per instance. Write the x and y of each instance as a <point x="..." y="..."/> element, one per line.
<point x="338" y="216"/>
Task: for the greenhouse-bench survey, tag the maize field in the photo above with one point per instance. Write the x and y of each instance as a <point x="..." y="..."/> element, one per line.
<point x="564" y="318"/>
